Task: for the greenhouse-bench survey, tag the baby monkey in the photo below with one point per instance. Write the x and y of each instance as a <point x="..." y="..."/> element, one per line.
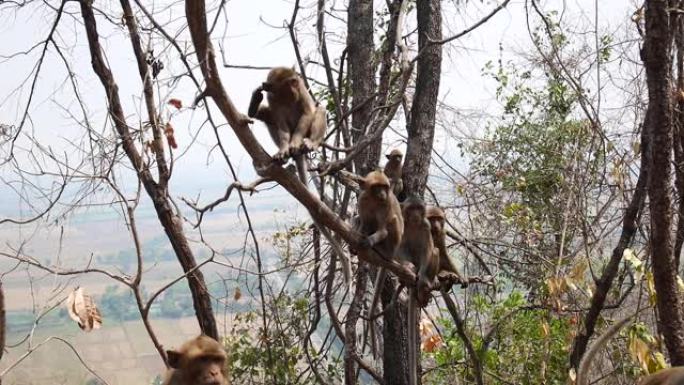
<point x="294" y="122"/>
<point x="199" y="361"/>
<point x="393" y="169"/>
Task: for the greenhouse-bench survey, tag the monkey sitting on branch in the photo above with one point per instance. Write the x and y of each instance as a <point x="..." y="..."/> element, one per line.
<point x="295" y="123"/>
<point x="447" y="269"/>
<point x="417" y="248"/>
<point x="199" y="361"/>
<point x="393" y="170"/>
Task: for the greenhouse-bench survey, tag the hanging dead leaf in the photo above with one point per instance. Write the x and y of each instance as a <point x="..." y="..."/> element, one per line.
<point x="82" y="310"/>
<point x="176" y="103"/>
<point x="238" y="294"/>
<point x="170" y="137"/>
<point x="431" y="344"/>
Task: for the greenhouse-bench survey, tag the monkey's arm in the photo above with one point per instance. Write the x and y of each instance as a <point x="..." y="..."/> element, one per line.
<point x="318" y="127"/>
<point x="256" y="110"/>
<point x="397" y="186"/>
<point x="301" y="133"/>
<point x="377" y="236"/>
<point x="446" y="264"/>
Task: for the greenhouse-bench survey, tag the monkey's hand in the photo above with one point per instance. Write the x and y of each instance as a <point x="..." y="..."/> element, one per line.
<point x="282" y="155"/>
<point x="244" y="120"/>
<point x="308" y="145"/>
<point x="366" y="242"/>
<point x="254" y="103"/>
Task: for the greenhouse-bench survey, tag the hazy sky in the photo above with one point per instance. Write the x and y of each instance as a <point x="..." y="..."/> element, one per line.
<point x="250" y="39"/>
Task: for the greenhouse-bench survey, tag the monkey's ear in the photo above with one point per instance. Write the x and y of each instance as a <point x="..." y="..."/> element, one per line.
<point x="174" y="358"/>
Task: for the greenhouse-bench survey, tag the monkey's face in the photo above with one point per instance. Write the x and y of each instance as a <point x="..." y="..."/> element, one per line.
<point x="200" y="361"/>
<point x="207" y="370"/>
<point x="380" y="191"/>
<point x="437" y="224"/>
<point x="394" y="157"/>
<point x="414" y="214"/>
<point x="283" y="82"/>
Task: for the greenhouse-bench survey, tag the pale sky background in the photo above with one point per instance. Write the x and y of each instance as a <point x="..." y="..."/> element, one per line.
<point x="250" y="39"/>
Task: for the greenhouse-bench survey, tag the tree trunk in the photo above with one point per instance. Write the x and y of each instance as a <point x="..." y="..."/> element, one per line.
<point x="395" y="338"/>
<point x="421" y="128"/>
<point x="360" y="49"/>
<point x="157" y="192"/>
<point x="421" y="133"/>
<point x="657" y="53"/>
<point x="678" y="142"/>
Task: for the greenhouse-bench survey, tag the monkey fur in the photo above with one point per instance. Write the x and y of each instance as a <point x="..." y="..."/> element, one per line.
<point x="199" y="361"/>
<point x="379" y="218"/>
<point x="417" y="247"/>
<point x="436" y="217"/>
<point x="295" y="123"/>
<point x="393" y="169"/>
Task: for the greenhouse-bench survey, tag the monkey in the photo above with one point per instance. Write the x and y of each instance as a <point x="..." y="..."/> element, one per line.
<point x="297" y="126"/>
<point x="380" y="221"/>
<point x="294" y="122"/>
<point x="417" y="249"/>
<point x="199" y="361"/>
<point x="393" y="169"/>
<point x="417" y="246"/>
<point x="436" y="217"/>
<point x="669" y="376"/>
<point x="379" y="218"/>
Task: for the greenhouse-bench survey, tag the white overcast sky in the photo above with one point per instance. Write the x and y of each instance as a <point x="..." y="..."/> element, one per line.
<point x="249" y="40"/>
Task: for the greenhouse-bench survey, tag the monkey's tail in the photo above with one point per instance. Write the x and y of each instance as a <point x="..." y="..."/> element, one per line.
<point x="414" y="347"/>
<point x="302" y="167"/>
<point x="585" y="363"/>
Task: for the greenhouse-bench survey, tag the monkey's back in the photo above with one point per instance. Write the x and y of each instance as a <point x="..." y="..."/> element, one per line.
<point x="669" y="376"/>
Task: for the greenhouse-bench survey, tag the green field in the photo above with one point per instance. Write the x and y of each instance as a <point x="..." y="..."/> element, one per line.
<point x="121" y="354"/>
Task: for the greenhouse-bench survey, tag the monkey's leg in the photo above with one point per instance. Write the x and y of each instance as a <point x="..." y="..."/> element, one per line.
<point x="376" y="238"/>
<point x="317" y="130"/>
<point x="446" y="264"/>
<point x="281" y="137"/>
<point x="300" y="132"/>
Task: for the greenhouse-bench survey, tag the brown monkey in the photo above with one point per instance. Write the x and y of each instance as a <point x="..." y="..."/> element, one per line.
<point x="296" y="125"/>
<point x="379" y="216"/>
<point x="417" y="248"/>
<point x="199" y="361"/>
<point x="669" y="376"/>
<point x="294" y="121"/>
<point x="381" y="223"/>
<point x="393" y="169"/>
<point x="437" y="218"/>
